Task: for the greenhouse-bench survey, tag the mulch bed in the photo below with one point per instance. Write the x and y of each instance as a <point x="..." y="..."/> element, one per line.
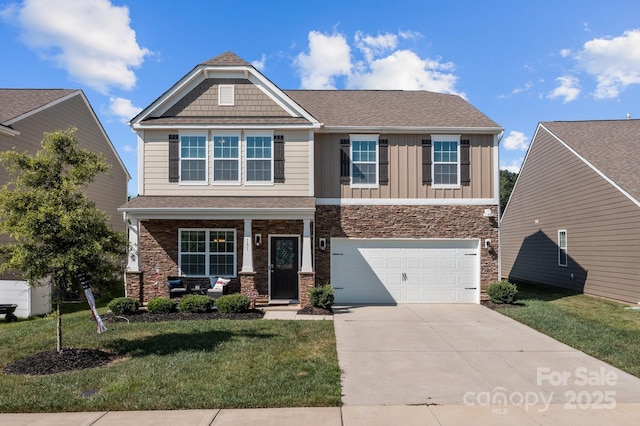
<point x="52" y="362"/>
<point x="71" y="359"/>
<point x="492" y="305"/>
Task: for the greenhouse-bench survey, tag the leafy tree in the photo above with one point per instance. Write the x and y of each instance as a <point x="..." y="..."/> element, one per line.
<point x="507" y="181"/>
<point x="57" y="232"/>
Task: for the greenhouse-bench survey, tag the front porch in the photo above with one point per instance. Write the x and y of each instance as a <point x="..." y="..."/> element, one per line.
<point x="261" y="249"/>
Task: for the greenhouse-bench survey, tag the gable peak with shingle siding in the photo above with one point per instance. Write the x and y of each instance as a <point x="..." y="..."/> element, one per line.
<point x="17" y="102"/>
<point x="610" y="146"/>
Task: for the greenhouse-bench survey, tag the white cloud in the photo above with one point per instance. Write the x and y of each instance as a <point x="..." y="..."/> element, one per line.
<point x="512" y="166"/>
<point x="565" y="52"/>
<point x="329" y="56"/>
<point x="516" y="141"/>
<point x="129" y="149"/>
<point x="383" y="64"/>
<point x="614" y="62"/>
<point x="123" y="109"/>
<point x="91" y="39"/>
<point x="259" y="64"/>
<point x="569" y="89"/>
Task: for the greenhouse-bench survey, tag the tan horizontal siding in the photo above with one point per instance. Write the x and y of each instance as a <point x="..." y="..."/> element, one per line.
<point x="108" y="192"/>
<point x="603" y="226"/>
<point x="296" y="164"/>
<point x="405" y="170"/>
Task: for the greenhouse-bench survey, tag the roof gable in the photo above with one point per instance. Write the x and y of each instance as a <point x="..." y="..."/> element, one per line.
<point x="226" y="59"/>
<point x="609" y="146"/>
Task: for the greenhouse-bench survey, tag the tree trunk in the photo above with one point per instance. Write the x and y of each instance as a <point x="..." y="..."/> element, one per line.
<point x="59" y="327"/>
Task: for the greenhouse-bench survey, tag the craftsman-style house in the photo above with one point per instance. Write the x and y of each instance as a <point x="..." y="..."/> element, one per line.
<point x="390" y="196"/>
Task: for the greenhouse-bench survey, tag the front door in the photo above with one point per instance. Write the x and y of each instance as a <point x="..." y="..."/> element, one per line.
<point x="284" y="268"/>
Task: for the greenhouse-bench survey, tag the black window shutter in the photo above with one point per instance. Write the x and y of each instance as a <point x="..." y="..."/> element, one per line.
<point x="465" y="163"/>
<point x="383" y="160"/>
<point x="278" y="158"/>
<point x="174" y="158"/>
<point x="345" y="147"/>
<point x="426" y="161"/>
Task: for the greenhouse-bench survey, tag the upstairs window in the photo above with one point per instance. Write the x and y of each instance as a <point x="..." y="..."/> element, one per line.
<point x="446" y="162"/>
<point x="226" y="159"/>
<point x="562" y="247"/>
<point x="259" y="159"/>
<point x="364" y="161"/>
<point x="193" y="158"/>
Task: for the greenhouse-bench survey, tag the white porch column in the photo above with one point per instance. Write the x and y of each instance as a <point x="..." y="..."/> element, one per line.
<point x="306" y="247"/>
<point x="133" y="257"/>
<point x="247" y="252"/>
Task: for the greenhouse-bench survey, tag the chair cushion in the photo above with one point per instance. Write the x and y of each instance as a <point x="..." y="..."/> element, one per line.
<point x="174" y="284"/>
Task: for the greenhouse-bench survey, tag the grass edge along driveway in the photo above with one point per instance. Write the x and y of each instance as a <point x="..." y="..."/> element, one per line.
<point x="605" y="329"/>
<point x="176" y="365"/>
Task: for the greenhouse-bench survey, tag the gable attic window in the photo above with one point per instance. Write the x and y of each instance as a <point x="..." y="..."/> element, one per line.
<point x="226" y="95"/>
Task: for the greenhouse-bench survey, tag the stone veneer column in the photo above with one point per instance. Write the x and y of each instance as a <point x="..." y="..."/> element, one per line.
<point x="247" y="282"/>
<point x="306" y="280"/>
<point x="133" y="285"/>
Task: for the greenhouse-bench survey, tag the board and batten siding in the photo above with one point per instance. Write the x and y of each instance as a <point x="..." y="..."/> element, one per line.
<point x="405" y="169"/>
<point x="296" y="169"/>
<point x="556" y="191"/>
<point x="108" y="192"/>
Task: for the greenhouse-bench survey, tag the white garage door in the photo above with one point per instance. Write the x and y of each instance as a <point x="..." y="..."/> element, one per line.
<point x="405" y="271"/>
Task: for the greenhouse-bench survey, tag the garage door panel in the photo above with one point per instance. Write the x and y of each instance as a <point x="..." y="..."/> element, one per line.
<point x="404" y="271"/>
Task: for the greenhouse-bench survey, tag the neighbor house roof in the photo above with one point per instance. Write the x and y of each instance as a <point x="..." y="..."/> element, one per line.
<point x="390" y="108"/>
<point x="17" y="102"/>
<point x="611" y="146"/>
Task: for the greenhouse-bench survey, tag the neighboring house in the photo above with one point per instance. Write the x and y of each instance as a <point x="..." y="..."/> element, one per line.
<point x="573" y="219"/>
<point x="390" y="196"/>
<point x="26" y="114"/>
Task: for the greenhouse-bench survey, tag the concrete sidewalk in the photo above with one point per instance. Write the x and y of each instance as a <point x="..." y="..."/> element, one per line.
<point x="442" y="415"/>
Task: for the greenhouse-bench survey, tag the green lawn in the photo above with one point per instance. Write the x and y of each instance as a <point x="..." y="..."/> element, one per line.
<point x="604" y="329"/>
<point x="176" y="365"/>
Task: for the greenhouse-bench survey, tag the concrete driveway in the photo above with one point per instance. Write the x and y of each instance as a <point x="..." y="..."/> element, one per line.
<point x="466" y="355"/>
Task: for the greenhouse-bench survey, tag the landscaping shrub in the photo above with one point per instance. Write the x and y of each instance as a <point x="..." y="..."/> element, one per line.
<point x="322" y="296"/>
<point x="502" y="292"/>
<point x="233" y="303"/>
<point x="195" y="303"/>
<point x="123" y="305"/>
<point x="160" y="305"/>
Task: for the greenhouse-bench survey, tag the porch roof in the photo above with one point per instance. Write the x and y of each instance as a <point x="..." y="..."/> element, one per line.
<point x="202" y="208"/>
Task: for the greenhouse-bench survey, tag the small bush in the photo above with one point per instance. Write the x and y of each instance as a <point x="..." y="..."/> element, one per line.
<point x="502" y="292"/>
<point x="322" y="296"/>
<point x="195" y="303"/>
<point x="123" y="305"/>
<point x="160" y="305"/>
<point x="233" y="303"/>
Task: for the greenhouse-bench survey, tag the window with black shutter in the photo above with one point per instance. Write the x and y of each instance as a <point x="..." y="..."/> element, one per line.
<point x="174" y="158"/>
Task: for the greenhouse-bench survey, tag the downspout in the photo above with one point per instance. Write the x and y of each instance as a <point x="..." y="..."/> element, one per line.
<point x="499" y="137"/>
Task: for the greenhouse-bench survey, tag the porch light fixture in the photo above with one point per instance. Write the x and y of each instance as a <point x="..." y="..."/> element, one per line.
<point x="322" y="243"/>
<point x="488" y="213"/>
<point x="257" y="239"/>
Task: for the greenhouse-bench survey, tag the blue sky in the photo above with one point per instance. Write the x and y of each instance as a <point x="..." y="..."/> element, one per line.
<point x="518" y="61"/>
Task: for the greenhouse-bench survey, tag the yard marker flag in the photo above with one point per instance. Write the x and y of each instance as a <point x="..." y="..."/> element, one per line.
<point x="92" y="303"/>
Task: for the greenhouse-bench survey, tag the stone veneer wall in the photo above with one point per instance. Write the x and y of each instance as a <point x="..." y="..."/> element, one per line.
<point x="407" y="222"/>
<point x="159" y="250"/>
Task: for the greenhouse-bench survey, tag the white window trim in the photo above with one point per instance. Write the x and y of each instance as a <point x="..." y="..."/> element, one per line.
<point x="207" y="253"/>
<point x="213" y="159"/>
<point x="560" y="248"/>
<point x="206" y="157"/>
<point x="226" y="95"/>
<point x="364" y="138"/>
<point x="443" y="138"/>
<point x="246" y="159"/>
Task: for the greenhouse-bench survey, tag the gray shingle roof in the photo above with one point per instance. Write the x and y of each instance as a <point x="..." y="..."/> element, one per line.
<point x="612" y="146"/>
<point x="193" y="202"/>
<point x="226" y="59"/>
<point x="16" y="102"/>
<point x="390" y="108"/>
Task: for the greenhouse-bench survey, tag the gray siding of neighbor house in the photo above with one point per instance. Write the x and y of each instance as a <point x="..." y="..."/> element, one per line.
<point x="108" y="192"/>
<point x="405" y="169"/>
<point x="555" y="191"/>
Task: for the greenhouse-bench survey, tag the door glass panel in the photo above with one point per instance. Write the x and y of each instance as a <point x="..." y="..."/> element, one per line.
<point x="284" y="255"/>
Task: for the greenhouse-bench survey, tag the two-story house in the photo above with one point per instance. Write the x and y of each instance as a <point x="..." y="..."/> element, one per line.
<point x="390" y="196"/>
<point x="25" y="115"/>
